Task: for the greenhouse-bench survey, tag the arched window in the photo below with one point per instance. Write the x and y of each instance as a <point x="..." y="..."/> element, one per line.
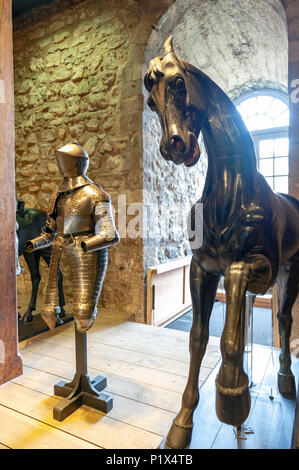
<point x="266" y="115"/>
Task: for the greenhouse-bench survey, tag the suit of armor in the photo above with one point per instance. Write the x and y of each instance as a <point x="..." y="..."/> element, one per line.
<point x="79" y="224"/>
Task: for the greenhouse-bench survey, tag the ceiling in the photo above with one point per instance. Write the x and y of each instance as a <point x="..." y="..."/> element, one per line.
<point x="21" y="6"/>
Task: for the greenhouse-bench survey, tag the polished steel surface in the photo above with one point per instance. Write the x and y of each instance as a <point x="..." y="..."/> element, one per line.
<point x="80" y="225"/>
<point x="72" y="160"/>
<point x="250" y="233"/>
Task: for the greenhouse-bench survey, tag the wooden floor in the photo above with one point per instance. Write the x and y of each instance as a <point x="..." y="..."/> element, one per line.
<point x="146" y="369"/>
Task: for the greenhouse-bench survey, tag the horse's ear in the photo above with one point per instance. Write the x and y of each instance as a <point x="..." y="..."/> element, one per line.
<point x="168" y="46"/>
<point x="195" y="78"/>
<point x="191" y="98"/>
<point x="20" y="205"/>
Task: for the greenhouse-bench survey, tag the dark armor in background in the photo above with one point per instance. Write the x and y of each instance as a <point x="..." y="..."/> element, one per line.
<point x="79" y="224"/>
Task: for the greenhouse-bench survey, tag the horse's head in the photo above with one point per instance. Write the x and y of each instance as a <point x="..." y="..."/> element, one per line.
<point x="180" y="107"/>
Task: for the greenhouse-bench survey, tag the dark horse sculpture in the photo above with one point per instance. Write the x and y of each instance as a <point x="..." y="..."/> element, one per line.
<point x="31" y="222"/>
<point x="250" y="233"/>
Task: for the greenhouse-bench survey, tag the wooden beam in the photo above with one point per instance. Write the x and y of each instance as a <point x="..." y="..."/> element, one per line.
<point x="10" y="361"/>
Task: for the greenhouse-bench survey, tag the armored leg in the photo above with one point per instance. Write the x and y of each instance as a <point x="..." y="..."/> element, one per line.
<point x="48" y="310"/>
<point x="88" y="273"/>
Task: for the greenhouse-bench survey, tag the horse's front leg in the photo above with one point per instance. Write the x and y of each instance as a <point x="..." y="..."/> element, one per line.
<point x="32" y="260"/>
<point x="203" y="290"/>
<point x="232" y="395"/>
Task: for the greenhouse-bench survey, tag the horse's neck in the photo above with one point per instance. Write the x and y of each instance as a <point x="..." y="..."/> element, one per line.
<point x="231" y="157"/>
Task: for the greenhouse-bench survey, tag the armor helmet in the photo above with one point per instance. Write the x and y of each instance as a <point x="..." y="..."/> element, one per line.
<point x="72" y="160"/>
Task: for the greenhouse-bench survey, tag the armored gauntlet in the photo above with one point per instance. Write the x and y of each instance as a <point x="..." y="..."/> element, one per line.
<point x="105" y="231"/>
<point x="44" y="240"/>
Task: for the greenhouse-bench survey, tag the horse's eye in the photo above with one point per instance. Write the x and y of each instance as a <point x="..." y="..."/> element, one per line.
<point x="179" y="83"/>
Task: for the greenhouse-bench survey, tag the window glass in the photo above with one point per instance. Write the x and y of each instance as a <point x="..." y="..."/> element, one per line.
<point x="267" y="118"/>
<point x="276" y="109"/>
<point x="281" y="166"/>
<point x="266" y="167"/>
<point x="266" y="148"/>
<point x="264" y="112"/>
<point x="281" y="147"/>
<point x="281" y="184"/>
<point x="282" y="119"/>
<point x="270" y="181"/>
<point x="263" y="104"/>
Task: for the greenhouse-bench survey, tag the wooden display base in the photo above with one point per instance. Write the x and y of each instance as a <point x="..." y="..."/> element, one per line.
<point x="271" y="423"/>
<point x="82" y="390"/>
<point x="37" y="326"/>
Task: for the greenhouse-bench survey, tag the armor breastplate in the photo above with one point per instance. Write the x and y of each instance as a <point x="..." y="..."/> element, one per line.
<point x="74" y="212"/>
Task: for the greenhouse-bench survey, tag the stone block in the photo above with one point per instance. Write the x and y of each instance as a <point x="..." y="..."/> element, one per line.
<point x="92" y="125"/>
<point x="60" y="36"/>
<point x="60" y="75"/>
<point x="55" y="26"/>
<point x="130" y="89"/>
<point x="98" y="101"/>
<point x="52" y="168"/>
<point x="24" y="87"/>
<point x="36" y="64"/>
<point x="48" y="135"/>
<point x="37" y="33"/>
<point x="91" y="145"/>
<point x="68" y="89"/>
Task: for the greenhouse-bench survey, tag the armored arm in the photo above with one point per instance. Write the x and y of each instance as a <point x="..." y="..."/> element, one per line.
<point x="105" y="231"/>
<point x="46" y="237"/>
<point x="44" y="240"/>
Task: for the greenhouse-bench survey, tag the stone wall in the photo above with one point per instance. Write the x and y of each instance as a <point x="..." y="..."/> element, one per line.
<point x="78" y="76"/>
<point x="79" y="66"/>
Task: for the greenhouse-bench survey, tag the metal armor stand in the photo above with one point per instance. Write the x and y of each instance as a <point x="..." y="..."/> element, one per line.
<point x="81" y="390"/>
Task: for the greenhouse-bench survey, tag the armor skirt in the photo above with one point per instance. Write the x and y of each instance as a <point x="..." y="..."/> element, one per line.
<point x="88" y="271"/>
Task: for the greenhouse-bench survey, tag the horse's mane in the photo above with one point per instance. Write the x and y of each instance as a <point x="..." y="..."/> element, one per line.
<point x="225" y="109"/>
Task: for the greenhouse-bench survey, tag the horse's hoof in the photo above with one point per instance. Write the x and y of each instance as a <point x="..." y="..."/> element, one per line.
<point x="178" y="437"/>
<point x="28" y="319"/>
<point x="286" y="384"/>
<point x="232" y="408"/>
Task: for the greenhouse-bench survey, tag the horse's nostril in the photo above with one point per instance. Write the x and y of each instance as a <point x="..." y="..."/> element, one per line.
<point x="164" y="155"/>
<point x="177" y="143"/>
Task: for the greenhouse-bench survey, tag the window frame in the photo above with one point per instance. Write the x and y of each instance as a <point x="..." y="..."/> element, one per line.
<point x="270" y="133"/>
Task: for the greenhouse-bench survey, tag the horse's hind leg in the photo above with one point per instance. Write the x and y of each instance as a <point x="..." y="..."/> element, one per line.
<point x="288" y="286"/>
<point x="203" y="290"/>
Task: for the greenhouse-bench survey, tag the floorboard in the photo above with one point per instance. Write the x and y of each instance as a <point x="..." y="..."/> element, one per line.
<point x="146" y="369"/>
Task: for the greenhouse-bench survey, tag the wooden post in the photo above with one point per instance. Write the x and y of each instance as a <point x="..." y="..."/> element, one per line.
<point x="292" y="15"/>
<point x="10" y="361"/>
